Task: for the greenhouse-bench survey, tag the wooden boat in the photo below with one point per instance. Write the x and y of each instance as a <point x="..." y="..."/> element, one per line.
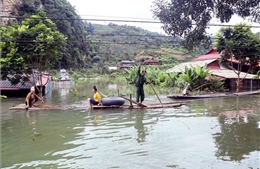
<point x="203" y="96"/>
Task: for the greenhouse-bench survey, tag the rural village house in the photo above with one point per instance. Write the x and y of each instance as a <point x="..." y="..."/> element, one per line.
<point x="211" y="60"/>
<point x="128" y="64"/>
<point x="23" y="88"/>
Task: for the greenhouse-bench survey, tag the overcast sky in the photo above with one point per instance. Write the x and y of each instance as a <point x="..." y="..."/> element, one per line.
<point x="128" y="10"/>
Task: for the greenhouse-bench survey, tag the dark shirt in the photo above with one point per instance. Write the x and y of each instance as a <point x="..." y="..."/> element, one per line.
<point x="141" y="80"/>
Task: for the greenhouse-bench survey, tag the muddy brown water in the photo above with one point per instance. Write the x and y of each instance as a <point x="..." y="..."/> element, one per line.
<point x="211" y="133"/>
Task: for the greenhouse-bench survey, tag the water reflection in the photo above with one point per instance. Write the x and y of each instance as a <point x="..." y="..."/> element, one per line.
<point x="139" y="126"/>
<point x="239" y="132"/>
<point x="97" y="118"/>
<point x="32" y="123"/>
<point x="237" y="139"/>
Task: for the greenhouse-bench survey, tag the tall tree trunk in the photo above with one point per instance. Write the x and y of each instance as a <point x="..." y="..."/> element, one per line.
<point x="239" y="68"/>
<point x="238" y="85"/>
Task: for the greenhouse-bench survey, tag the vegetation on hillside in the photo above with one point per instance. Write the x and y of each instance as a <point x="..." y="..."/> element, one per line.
<point x="112" y="43"/>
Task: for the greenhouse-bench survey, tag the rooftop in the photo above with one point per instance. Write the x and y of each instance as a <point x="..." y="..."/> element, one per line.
<point x="230" y="74"/>
<point x="181" y="67"/>
<point x="7" y="85"/>
<point x="211" y="54"/>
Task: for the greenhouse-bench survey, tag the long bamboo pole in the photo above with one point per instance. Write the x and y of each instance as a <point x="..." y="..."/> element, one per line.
<point x="156" y="94"/>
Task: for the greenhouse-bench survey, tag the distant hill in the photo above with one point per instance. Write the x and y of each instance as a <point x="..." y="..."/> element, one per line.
<point x="113" y="43"/>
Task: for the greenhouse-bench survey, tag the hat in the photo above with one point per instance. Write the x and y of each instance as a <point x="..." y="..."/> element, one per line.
<point x="32" y="89"/>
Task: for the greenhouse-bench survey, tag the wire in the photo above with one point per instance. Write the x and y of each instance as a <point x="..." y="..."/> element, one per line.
<point x="147" y="35"/>
<point x="98" y="16"/>
<point x="89" y="42"/>
<point x="121" y="20"/>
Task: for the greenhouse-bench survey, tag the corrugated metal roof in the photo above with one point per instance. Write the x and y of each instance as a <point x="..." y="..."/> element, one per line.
<point x="7" y="85"/>
<point x="230" y="74"/>
<point x="181" y="67"/>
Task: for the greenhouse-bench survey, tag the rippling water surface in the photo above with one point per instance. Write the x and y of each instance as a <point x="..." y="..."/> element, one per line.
<point x="213" y="133"/>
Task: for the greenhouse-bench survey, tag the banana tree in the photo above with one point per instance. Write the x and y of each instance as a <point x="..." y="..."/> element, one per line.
<point x="195" y="76"/>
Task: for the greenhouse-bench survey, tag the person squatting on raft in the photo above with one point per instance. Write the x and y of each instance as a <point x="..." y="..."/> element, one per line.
<point x="31" y="98"/>
<point x="140" y="81"/>
<point x="96" y="100"/>
<point x="186" y="88"/>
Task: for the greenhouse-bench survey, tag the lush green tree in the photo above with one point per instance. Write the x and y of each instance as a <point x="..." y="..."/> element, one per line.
<point x="75" y="52"/>
<point x="190" y="18"/>
<point x="36" y="44"/>
<point x="240" y="45"/>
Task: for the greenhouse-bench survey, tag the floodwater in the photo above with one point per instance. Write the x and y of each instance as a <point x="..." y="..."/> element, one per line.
<point x="203" y="134"/>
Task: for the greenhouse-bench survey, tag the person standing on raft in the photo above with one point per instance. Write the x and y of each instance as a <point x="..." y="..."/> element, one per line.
<point x="140" y="81"/>
<point x="31" y="98"/>
<point x="96" y="100"/>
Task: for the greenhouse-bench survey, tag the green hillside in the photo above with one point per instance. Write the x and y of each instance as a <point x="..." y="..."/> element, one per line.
<point x="113" y="43"/>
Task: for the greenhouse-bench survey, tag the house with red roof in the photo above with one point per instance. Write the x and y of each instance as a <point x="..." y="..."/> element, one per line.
<point x="150" y="62"/>
<point x="212" y="61"/>
<point x="126" y="64"/>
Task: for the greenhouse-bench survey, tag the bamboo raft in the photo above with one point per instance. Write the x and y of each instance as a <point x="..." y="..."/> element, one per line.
<point x="148" y="106"/>
<point x="38" y="107"/>
<point x="53" y="107"/>
<point x="214" y="95"/>
<point x="131" y="106"/>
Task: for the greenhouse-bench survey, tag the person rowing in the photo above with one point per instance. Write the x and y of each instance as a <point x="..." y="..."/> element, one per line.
<point x="31" y="98"/>
<point x="96" y="100"/>
<point x="140" y="81"/>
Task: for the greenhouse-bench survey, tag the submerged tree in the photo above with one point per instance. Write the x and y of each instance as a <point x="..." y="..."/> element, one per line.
<point x="239" y="45"/>
<point x="29" y="48"/>
<point x="190" y="18"/>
